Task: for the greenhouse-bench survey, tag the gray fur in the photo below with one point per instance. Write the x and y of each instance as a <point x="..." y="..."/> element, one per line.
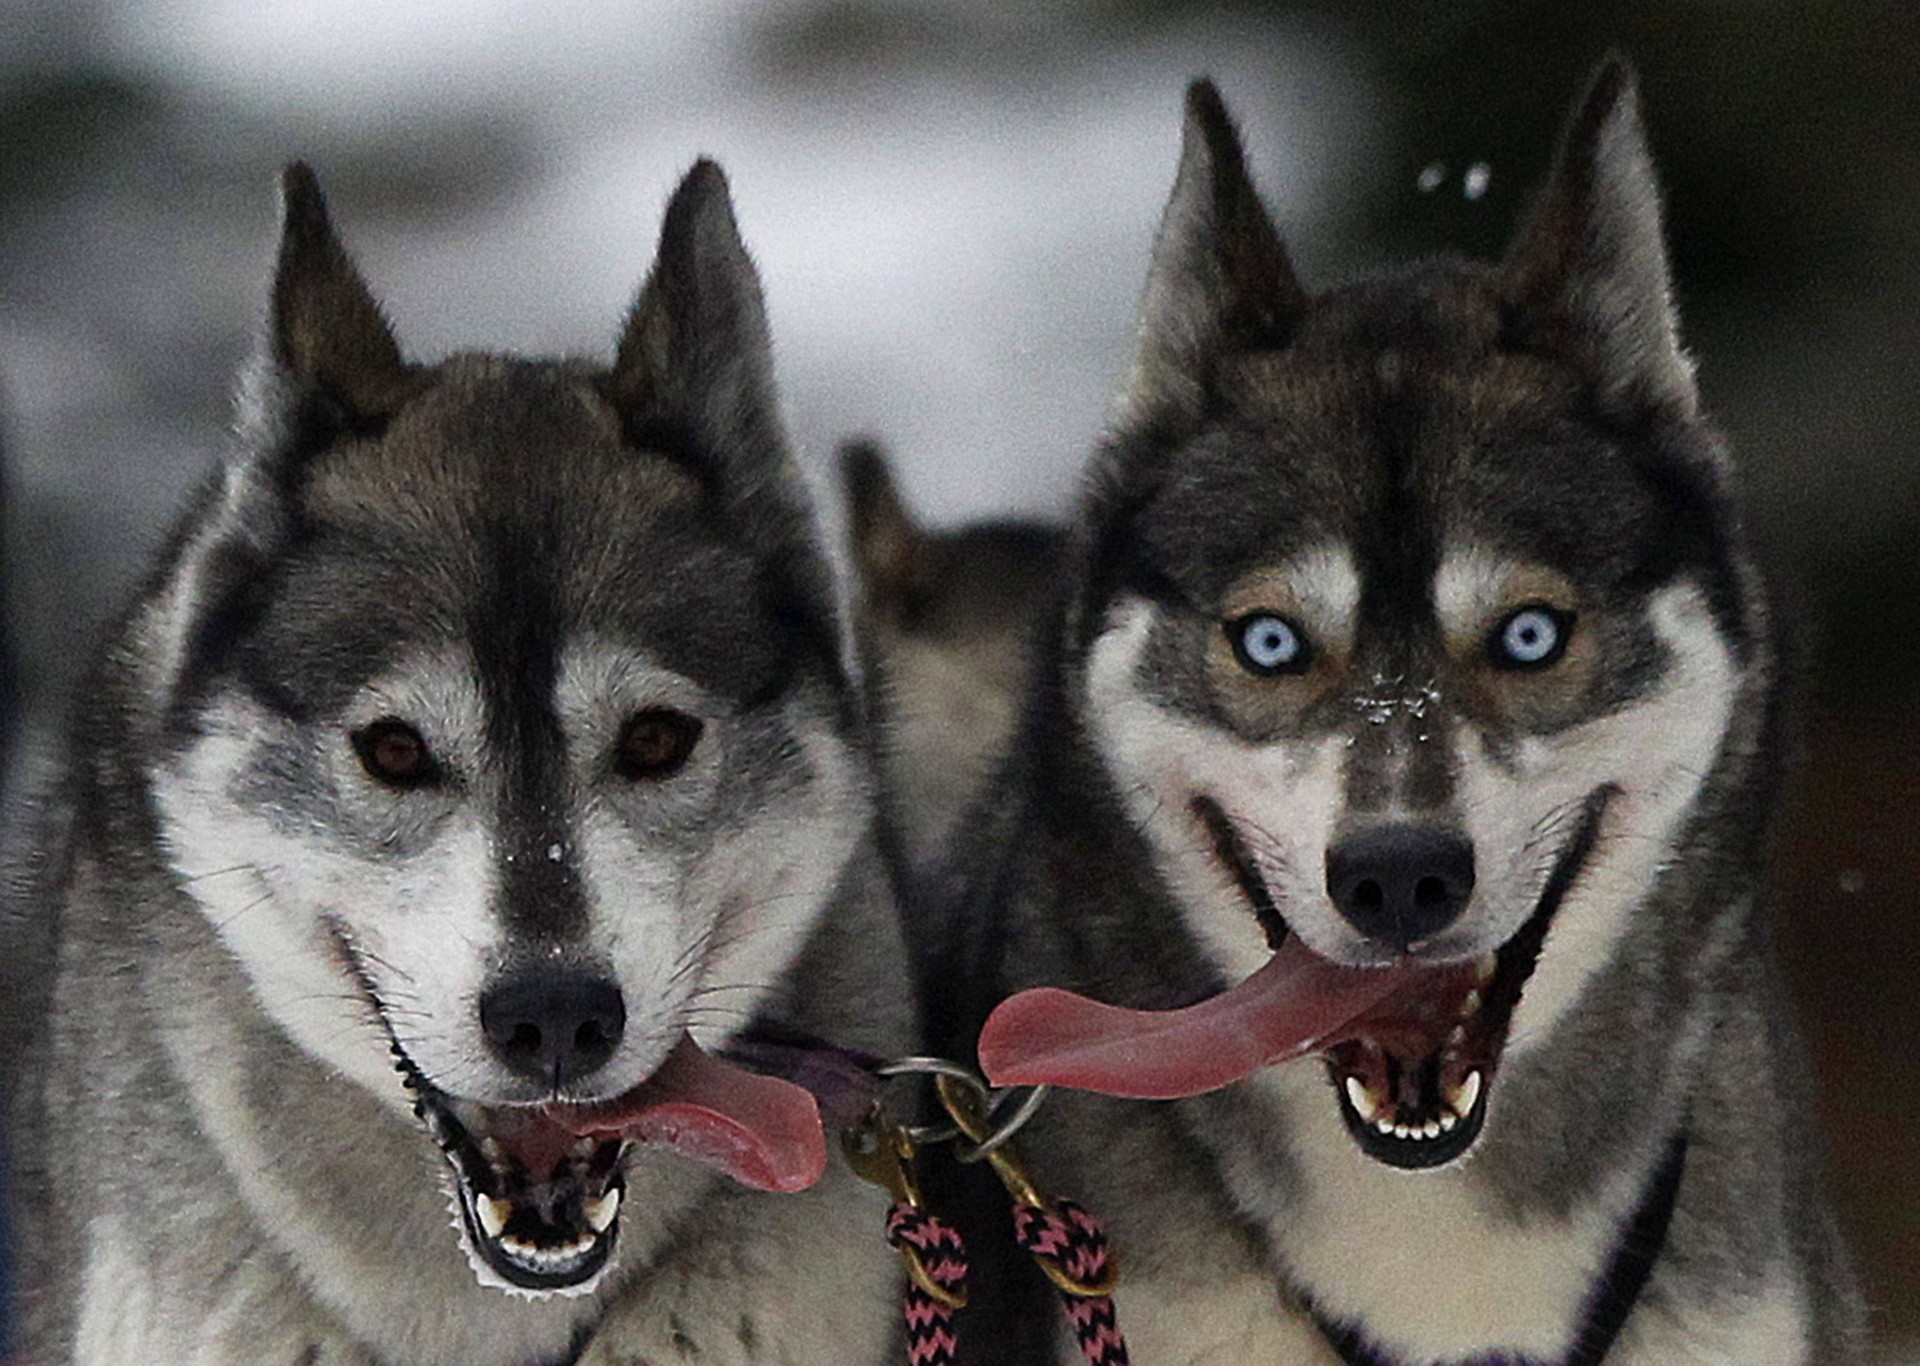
<point x="220" y="1187"/>
<point x="1542" y="412"/>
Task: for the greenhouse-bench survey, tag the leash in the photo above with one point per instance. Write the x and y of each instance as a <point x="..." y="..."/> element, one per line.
<point x="1612" y="1299"/>
<point x="1065" y="1240"/>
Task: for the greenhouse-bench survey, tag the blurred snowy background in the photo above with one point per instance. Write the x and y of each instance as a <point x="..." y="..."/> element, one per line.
<point x="951" y="206"/>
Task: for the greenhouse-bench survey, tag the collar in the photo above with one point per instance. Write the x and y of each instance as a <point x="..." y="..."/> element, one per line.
<point x="1642" y="1238"/>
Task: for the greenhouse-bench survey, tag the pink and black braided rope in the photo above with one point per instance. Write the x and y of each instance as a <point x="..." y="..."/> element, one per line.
<point x="930" y="1338"/>
<point x="1072" y="1239"/>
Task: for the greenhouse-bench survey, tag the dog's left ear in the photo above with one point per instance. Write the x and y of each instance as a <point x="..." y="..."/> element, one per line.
<point x="695" y="363"/>
<point x="1220" y="278"/>
<point x="889" y="547"/>
<point x="1586" y="278"/>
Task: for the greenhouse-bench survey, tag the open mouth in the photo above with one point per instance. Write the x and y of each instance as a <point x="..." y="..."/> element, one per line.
<point x="539" y="1204"/>
<point x="1414" y="1078"/>
<point x="539" y="1189"/>
<point x="1411" y="1048"/>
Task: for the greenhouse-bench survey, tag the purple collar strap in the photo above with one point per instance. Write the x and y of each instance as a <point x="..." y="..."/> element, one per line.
<point x="1608" y="1303"/>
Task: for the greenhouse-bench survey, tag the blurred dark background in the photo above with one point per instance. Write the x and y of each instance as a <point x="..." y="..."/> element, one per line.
<point x="951" y="205"/>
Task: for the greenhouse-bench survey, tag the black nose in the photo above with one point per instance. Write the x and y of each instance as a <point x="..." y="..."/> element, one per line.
<point x="1400" y="884"/>
<point x="554" y="1027"/>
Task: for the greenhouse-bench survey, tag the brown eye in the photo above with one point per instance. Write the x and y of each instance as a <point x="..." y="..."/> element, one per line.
<point x="392" y="752"/>
<point x="655" y="743"/>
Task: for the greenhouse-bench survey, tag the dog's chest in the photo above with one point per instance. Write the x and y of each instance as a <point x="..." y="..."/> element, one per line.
<point x="1418" y="1259"/>
<point x="1235" y="1320"/>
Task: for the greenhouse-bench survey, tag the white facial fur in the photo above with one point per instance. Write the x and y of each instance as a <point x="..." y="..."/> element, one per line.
<point x="697" y="897"/>
<point x="1655" y="753"/>
<point x="713" y="933"/>
<point x="1284" y="798"/>
<point x="1287" y="798"/>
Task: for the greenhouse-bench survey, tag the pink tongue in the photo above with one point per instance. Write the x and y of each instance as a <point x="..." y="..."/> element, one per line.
<point x="761" y="1131"/>
<point x="1297" y="1003"/>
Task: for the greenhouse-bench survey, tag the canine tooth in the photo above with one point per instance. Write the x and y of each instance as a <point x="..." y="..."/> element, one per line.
<point x="1364" y="1104"/>
<point x="602" y="1209"/>
<point x="493" y="1213"/>
<point x="1463" y="1096"/>
<point x="1470" y="1004"/>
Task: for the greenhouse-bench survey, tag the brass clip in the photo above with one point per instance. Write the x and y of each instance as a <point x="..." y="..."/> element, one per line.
<point x="880" y="1150"/>
<point x="969" y="1107"/>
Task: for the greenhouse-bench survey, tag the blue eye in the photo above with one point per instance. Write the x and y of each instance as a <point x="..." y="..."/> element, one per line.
<point x="1266" y="645"/>
<point x="1531" y="638"/>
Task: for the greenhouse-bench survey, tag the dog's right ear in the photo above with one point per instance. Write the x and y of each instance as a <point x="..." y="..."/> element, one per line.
<point x="889" y="548"/>
<point x="328" y="367"/>
<point x="330" y="364"/>
<point x="1220" y="278"/>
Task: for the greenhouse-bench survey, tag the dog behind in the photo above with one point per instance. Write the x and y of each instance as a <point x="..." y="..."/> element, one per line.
<point x="946" y="621"/>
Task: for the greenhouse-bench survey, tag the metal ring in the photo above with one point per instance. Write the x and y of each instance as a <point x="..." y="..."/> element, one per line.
<point x="1029" y="1105"/>
<point x="926" y="1135"/>
<point x="937" y="1067"/>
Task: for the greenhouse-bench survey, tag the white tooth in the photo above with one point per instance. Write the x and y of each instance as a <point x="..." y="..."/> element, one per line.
<point x="1431" y="1129"/>
<point x="1363" y="1103"/>
<point x="1470" y="1005"/>
<point x="584" y="1148"/>
<point x="1401" y="1131"/>
<point x="602" y="1209"/>
<point x="1384" y="1125"/>
<point x="493" y="1213"/>
<point x="1462" y="1097"/>
<point x="491" y="1147"/>
<point x="1457" y="1038"/>
<point x="1447" y="1121"/>
<point x="1488" y="965"/>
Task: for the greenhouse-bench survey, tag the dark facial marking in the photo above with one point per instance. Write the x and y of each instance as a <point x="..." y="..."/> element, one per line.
<point x="516" y="630"/>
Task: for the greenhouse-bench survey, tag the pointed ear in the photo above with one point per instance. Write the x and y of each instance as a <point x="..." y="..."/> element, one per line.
<point x="1586" y="278"/>
<point x="1220" y="279"/>
<point x="889" y="548"/>
<point x="326" y="336"/>
<point x="695" y="358"/>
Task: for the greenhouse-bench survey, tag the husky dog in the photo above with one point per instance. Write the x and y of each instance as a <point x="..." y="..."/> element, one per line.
<point x="477" y="763"/>
<point x="1417" y="679"/>
<point x="945" y="621"/>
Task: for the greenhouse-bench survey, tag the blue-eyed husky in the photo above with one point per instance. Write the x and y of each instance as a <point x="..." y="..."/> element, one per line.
<point x="1402" y="763"/>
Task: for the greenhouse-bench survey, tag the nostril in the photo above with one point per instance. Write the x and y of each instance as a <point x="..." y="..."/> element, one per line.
<point x="1369" y="895"/>
<point x="1431" y="893"/>
<point x="555" y="1027"/>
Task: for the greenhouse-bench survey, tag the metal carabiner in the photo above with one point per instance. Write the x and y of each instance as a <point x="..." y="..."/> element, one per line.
<point x="972" y="1114"/>
<point x="880" y="1150"/>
